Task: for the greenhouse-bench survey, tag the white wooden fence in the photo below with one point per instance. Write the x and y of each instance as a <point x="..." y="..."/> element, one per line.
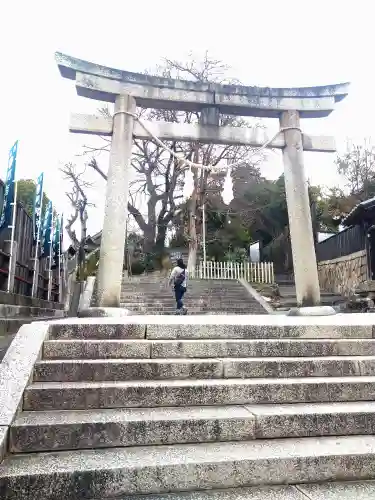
<point x="253" y="272"/>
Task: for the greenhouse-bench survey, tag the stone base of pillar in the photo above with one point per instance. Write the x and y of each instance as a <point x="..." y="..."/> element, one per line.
<point x="104" y="312"/>
<point x="312" y="311"/>
<point x="85" y="299"/>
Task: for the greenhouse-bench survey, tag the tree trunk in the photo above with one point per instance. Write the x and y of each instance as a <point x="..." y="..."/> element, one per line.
<point x="193" y="240"/>
<point x="81" y="250"/>
<point x="160" y="238"/>
<point x="149" y="239"/>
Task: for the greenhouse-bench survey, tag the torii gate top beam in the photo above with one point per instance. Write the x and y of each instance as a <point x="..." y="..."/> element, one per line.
<point x="104" y="83"/>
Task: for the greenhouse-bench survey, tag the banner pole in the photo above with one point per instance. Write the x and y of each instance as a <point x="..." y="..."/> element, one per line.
<point x="13" y="226"/>
<point x="50" y="259"/>
<point x="35" y="273"/>
<point x="34" y="289"/>
<point x="59" y="258"/>
<point x="59" y="265"/>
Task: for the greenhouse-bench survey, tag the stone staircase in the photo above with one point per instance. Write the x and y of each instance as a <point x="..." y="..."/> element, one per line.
<point x="18" y="310"/>
<point x="152" y="295"/>
<point x="237" y="405"/>
<point x="288" y="299"/>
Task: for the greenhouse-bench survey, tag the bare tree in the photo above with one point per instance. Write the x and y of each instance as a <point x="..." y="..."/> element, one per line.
<point x="158" y="176"/>
<point x="357" y="165"/>
<point x="79" y="202"/>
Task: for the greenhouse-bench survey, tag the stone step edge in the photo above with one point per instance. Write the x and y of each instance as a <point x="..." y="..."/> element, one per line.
<point x="344" y="490"/>
<point x="188" y="360"/>
<point x="172" y="468"/>
<point x="271" y="340"/>
<point x="193" y="392"/>
<point x="206" y="424"/>
<point x="192" y="383"/>
<point x="197" y="348"/>
<point x="118" y="369"/>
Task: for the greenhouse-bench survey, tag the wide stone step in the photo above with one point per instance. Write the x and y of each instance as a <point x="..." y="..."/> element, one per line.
<point x="250" y="327"/>
<point x="203" y="311"/>
<point x="191" y="294"/>
<point x="345" y="490"/>
<point x="97" y="349"/>
<point x="80" y="429"/>
<point x="198" y="306"/>
<point x="15" y="311"/>
<point x="192" y="291"/>
<point x="192" y="284"/>
<point x="171" y="304"/>
<point x="191" y="303"/>
<point x="132" y="369"/>
<point x="111" y="472"/>
<point x="100" y="330"/>
<point x="213" y="348"/>
<point x="214" y="327"/>
<point x="193" y="312"/>
<point x="117" y="348"/>
<point x="196" y="368"/>
<point x="196" y="283"/>
<point x="56" y="430"/>
<point x="10" y="326"/>
<point x="197" y="312"/>
<point x="147" y="394"/>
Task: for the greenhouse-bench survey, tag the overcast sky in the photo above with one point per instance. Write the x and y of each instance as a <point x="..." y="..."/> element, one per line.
<point x="272" y="43"/>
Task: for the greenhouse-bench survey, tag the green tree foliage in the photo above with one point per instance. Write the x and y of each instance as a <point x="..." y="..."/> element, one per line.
<point x="261" y="210"/>
<point x="261" y="214"/>
<point x="26" y="189"/>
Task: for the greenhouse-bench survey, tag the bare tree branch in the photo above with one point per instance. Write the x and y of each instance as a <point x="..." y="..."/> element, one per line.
<point x="79" y="202"/>
<point x="158" y="176"/>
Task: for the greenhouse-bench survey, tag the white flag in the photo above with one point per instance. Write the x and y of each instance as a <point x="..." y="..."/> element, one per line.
<point x="188" y="184"/>
<point x="227" y="193"/>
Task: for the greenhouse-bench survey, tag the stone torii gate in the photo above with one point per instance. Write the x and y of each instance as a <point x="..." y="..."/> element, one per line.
<point x="128" y="90"/>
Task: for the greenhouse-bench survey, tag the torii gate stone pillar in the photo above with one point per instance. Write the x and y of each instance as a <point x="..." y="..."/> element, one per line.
<point x="112" y="245"/>
<point x="300" y="224"/>
<point x="127" y="90"/>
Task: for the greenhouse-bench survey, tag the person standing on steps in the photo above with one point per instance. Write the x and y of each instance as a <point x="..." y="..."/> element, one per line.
<point x="178" y="279"/>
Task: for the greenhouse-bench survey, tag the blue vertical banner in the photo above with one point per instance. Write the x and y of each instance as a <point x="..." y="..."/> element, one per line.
<point x="46" y="231"/>
<point x="57" y="239"/>
<point x="37" y="212"/>
<point x="9" y="188"/>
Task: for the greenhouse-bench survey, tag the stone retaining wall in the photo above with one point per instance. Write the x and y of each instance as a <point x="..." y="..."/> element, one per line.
<point x="344" y="274"/>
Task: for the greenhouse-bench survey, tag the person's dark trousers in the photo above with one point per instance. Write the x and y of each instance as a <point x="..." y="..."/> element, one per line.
<point x="179" y="293"/>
